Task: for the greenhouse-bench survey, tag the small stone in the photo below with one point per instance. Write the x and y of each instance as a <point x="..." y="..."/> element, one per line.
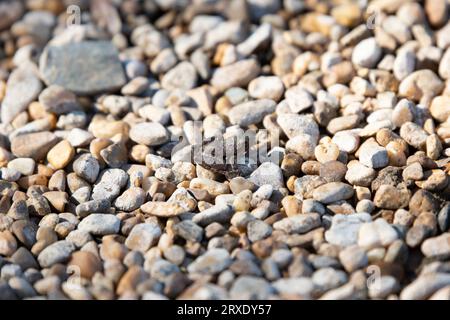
<point x="182" y="76"/>
<point x="87" y="263"/>
<point x="414" y="135"/>
<point x="437" y="247"/>
<point x="333" y="171"/>
<point x="23" y="165"/>
<point x="251" y="112"/>
<point x="57" y="252"/>
<point x="86" y="167"/>
<point x="376" y="234"/>
<point x="332" y="192"/>
<point x="413" y="172"/>
<point x="295" y="124"/>
<point x="22" y="88"/>
<point x="235" y="75"/>
<point x="345" y="229"/>
<point x="56" y="99"/>
<point x="61" y="154"/>
<point x="149" y="133"/>
<point x="217" y="213"/>
<point x="373" y="156"/>
<point x="189" y="231"/>
<point x="301" y="223"/>
<point x="268" y="173"/>
<point x="258" y="230"/>
<point x="130" y="200"/>
<point x="420" y="83"/>
<point x="85" y="68"/>
<point x="353" y="258"/>
<point x="326" y="152"/>
<point x="79" y="138"/>
<point x="366" y="53"/>
<point x="303" y="145"/>
<point x="360" y="175"/>
<point x="143" y="236"/>
<point x="33" y="145"/>
<point x="8" y="244"/>
<point x="425" y="285"/>
<point x="212" y="261"/>
<point x="163" y="209"/>
<point x="250" y="287"/>
<point x="390" y="197"/>
<point x="298" y="99"/>
<point x="440" y="108"/>
<point x="100" y="224"/>
<point x="270" y="87"/>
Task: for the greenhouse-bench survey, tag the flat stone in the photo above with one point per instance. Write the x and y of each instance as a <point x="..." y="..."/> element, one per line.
<point x="22" y="88"/>
<point x="299" y="224"/>
<point x="373" y="156"/>
<point x="298" y="99"/>
<point x="57" y="252"/>
<point x="238" y="74"/>
<point x="99" y="224"/>
<point x="33" y="145"/>
<point x="332" y="192"/>
<point x="143" y="236"/>
<point x="251" y="112"/>
<point x="376" y="234"/>
<point x="437" y="247"/>
<point x="268" y="173"/>
<point x="149" y="133"/>
<point x="217" y="213"/>
<point x="85" y="68"/>
<point x="182" y="76"/>
<point x="295" y="124"/>
<point x="163" y="209"/>
<point x="212" y="261"/>
<point x="345" y="228"/>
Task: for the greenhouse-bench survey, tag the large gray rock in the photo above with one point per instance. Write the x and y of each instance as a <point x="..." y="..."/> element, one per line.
<point x="85" y="68"/>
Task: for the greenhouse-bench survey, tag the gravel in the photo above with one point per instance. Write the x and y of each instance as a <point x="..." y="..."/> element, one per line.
<point x="254" y="149"/>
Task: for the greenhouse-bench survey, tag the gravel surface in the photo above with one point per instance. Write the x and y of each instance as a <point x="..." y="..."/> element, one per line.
<point x="217" y="149"/>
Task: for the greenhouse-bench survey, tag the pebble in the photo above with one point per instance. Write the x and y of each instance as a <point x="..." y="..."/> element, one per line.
<point x="373" y="156"/>
<point x="366" y="53"/>
<point x="269" y="87"/>
<point x="258" y="230"/>
<point x="99" y="224"/>
<point x="189" y="231"/>
<point x="149" y="133"/>
<point x="56" y="99"/>
<point x="143" y="236"/>
<point x="437" y="247"/>
<point x="360" y="175"/>
<point x="267" y="173"/>
<point x="300" y="224"/>
<point x="424" y="286"/>
<point x="33" y="145"/>
<point x="130" y="200"/>
<point x="211" y="262"/>
<point x="414" y="135"/>
<point x="57" y="252"/>
<point x="60" y="155"/>
<point x="345" y="229"/>
<point x="22" y="88"/>
<point x="332" y="192"/>
<point x="420" y="83"/>
<point x="235" y="75"/>
<point x="217" y="213"/>
<point x="390" y="197"/>
<point x="86" y="167"/>
<point x="182" y="76"/>
<point x="88" y="263"/>
<point x="298" y="99"/>
<point x="251" y="112"/>
<point x="376" y="234"/>
<point x="295" y="124"/>
<point x="23" y="165"/>
<point x="353" y="258"/>
<point x="85" y="68"/>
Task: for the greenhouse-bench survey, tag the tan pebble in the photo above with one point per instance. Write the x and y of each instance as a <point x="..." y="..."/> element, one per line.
<point x="57" y="199"/>
<point x="242" y="201"/>
<point x="326" y="152"/>
<point x="35" y="179"/>
<point x="163" y="209"/>
<point x="61" y="154"/>
<point x="291" y="205"/>
<point x="433" y="146"/>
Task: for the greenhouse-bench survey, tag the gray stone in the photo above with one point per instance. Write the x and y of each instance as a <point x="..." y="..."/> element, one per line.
<point x="57" y="252"/>
<point x="212" y="261"/>
<point x="99" y="224"/>
<point x="85" y="68"/>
